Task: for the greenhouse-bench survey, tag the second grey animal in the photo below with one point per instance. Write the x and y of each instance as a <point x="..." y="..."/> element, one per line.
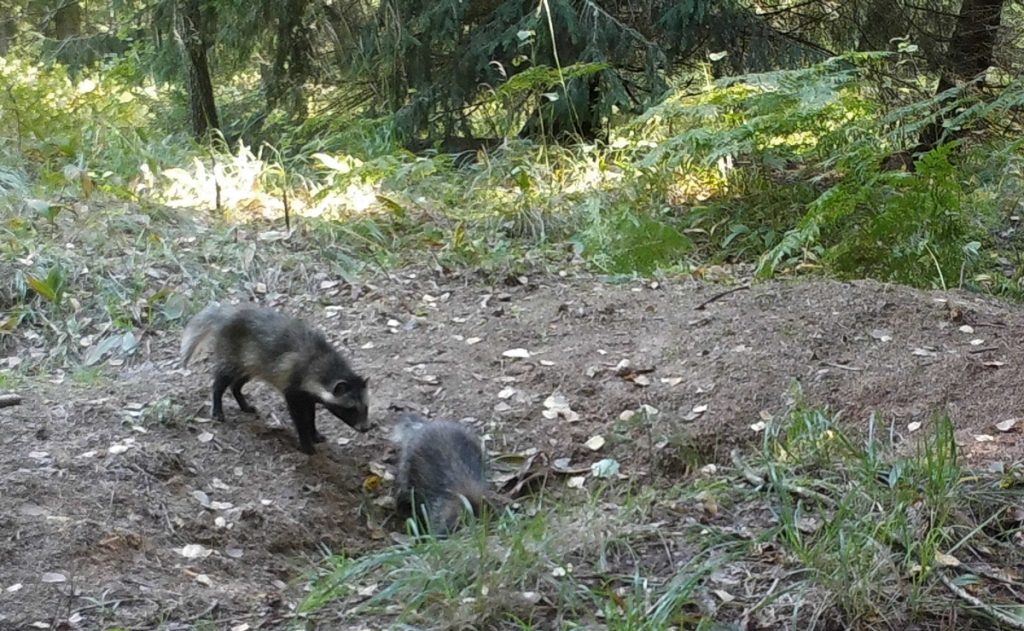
<point x="440" y="469"/>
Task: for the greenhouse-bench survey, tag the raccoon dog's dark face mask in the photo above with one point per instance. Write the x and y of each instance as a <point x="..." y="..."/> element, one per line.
<point x="348" y="401"/>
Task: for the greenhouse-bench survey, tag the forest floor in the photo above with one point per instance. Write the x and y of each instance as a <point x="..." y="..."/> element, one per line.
<point x="123" y="506"/>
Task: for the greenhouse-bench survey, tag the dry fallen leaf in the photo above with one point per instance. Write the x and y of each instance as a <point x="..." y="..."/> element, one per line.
<point x="947" y="560"/>
<point x="984" y="438"/>
<point x="367" y="591"/>
<point x="606" y="468"/>
<point x="695" y="412"/>
<point x="194" y="551"/>
<point x="53" y="577"/>
<point x="203" y="579"/>
<point x="1007" y="425"/>
<point x="557" y="405"/>
<point x="641" y="380"/>
<point x="531" y="598"/>
<point x="372" y="481"/>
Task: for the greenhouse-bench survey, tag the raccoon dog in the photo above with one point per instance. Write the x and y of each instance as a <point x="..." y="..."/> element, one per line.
<point x="252" y="342"/>
<point x="440" y="470"/>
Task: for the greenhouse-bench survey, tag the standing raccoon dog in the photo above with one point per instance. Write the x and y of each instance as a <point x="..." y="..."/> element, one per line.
<point x="260" y="343"/>
<point x="440" y="470"/>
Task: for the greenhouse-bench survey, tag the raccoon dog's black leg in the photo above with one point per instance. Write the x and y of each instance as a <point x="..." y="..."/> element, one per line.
<point x="221" y="380"/>
<point x="317" y="436"/>
<point x="302" y="408"/>
<point x="236" y="389"/>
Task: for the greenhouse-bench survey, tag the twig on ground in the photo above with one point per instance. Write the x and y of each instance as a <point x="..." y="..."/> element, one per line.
<point x="842" y="367"/>
<point x="756" y="480"/>
<point x="719" y="296"/>
<point x="1011" y="621"/>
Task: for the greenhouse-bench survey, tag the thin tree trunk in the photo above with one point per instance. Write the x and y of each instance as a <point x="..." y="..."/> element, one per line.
<point x="67" y="21"/>
<point x="202" y="107"/>
<point x="969" y="55"/>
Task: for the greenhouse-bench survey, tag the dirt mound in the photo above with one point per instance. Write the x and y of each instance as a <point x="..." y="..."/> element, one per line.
<point x="110" y="489"/>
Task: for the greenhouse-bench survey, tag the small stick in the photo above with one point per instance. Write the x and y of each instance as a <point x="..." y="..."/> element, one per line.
<point x="1011" y="621"/>
<point x="842" y="367"/>
<point x="756" y="480"/>
<point x="7" y="400"/>
<point x="719" y="296"/>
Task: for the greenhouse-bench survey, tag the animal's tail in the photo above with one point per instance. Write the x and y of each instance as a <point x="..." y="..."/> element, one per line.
<point x="405" y="427"/>
<point x="199" y="329"/>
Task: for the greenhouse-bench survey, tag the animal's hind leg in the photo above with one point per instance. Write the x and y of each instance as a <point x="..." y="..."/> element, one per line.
<point x="236" y="389"/>
<point x="222" y="378"/>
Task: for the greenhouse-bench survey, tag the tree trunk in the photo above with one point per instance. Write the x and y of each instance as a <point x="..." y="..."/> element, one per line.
<point x="67" y="21"/>
<point x="292" y="65"/>
<point x="202" y="107"/>
<point x="969" y="54"/>
<point x="7" y="31"/>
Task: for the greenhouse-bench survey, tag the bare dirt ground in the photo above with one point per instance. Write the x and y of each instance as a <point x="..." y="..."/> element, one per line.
<point x="104" y="485"/>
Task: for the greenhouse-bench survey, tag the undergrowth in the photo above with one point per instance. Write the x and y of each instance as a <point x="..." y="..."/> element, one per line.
<point x="779" y="170"/>
<point x="820" y="528"/>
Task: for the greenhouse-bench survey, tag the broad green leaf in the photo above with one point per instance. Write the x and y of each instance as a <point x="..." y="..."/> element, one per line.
<point x="42" y="288"/>
<point x="174" y="308"/>
<point x="96" y="352"/>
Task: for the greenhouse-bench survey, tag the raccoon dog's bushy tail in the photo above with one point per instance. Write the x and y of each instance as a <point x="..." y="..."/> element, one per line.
<point x="200" y="327"/>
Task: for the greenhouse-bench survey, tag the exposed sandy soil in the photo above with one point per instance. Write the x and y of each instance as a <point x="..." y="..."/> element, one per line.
<point x="113" y="524"/>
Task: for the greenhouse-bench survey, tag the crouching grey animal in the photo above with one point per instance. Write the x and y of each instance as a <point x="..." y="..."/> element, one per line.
<point x="440" y="471"/>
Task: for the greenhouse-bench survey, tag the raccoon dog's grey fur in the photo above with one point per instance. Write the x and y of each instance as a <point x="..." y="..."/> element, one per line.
<point x="440" y="469"/>
<point x="252" y="342"/>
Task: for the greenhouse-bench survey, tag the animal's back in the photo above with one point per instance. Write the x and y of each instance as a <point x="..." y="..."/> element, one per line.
<point x="441" y="461"/>
<point x="262" y="342"/>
